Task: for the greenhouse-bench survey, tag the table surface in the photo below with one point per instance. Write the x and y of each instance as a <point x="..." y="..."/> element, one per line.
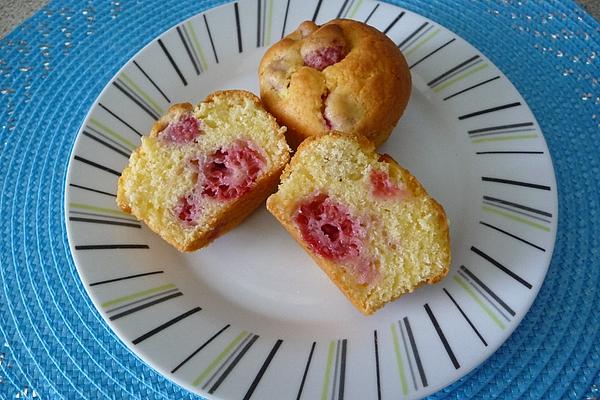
<point x="12" y="12"/>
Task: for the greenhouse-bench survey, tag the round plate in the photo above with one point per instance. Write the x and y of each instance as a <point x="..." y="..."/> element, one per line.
<point x="251" y="315"/>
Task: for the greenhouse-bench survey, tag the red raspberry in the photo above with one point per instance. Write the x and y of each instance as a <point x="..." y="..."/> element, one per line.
<point x="189" y="208"/>
<point x="182" y="131"/>
<point x="383" y="187"/>
<point x="329" y="228"/>
<point x="230" y="173"/>
<point x="324" y="57"/>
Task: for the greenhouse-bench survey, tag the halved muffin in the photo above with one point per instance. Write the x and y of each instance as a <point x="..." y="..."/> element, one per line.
<point x="366" y="221"/>
<point x="203" y="169"/>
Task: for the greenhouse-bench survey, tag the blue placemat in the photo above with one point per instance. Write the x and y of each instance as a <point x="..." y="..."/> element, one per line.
<point x="53" y="344"/>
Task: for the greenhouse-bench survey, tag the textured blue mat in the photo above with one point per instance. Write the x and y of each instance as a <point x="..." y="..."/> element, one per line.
<point x="53" y="344"/>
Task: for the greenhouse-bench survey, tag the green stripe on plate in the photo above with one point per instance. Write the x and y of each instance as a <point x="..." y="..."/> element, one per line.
<point x="137" y="295"/>
<point x="503" y="138"/>
<point x="112" y="133"/>
<point x="327" y="376"/>
<point x="516" y="218"/>
<point x="460" y="78"/>
<point x="422" y="42"/>
<point x="355" y="8"/>
<point x="218" y="358"/>
<point x="142" y="93"/>
<point x="480" y="302"/>
<point x="401" y="371"/>
<point x="197" y="45"/>
<point x="97" y="209"/>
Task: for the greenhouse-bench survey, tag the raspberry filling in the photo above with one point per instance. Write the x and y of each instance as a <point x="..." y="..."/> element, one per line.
<point x="224" y="175"/>
<point x="324" y="57"/>
<point x="383" y="187"/>
<point x="189" y="208"/>
<point x="182" y="131"/>
<point x="329" y="228"/>
<point x="229" y="173"/>
<point x="334" y="233"/>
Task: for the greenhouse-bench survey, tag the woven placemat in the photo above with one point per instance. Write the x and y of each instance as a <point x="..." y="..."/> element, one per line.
<point x="53" y="343"/>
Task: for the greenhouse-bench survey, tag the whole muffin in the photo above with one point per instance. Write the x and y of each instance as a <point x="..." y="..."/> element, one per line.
<point x="344" y="76"/>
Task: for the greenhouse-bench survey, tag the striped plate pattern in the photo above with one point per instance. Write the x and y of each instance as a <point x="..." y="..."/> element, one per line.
<point x="281" y="330"/>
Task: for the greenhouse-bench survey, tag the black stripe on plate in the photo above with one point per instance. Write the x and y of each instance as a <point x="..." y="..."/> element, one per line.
<point x="314" y="18"/>
<point x="258" y="23"/>
<point x="264" y="22"/>
<point x="425" y="57"/>
<point x="173" y="63"/>
<point x="419" y="29"/>
<point x="125" y="88"/>
<point x="372" y="12"/>
<point x="144" y="306"/>
<point x="120" y="119"/>
<point x="231" y="355"/>
<point x="377" y="364"/>
<point x="342" y="370"/>
<point x="212" y="44"/>
<point x="407" y="352"/>
<point x="102" y="216"/>
<point x="105" y="222"/>
<point x="96" y="165"/>
<point x="124" y="278"/>
<point x="166" y="325"/>
<point x="516" y="183"/>
<point x="111" y="246"/>
<point x="203" y="345"/>
<point x="310" y="354"/>
<point x="263" y="368"/>
<point x="237" y="26"/>
<point x="92" y="190"/>
<point x="466" y="318"/>
<point x="108" y="145"/>
<point x="512" y="236"/>
<point x="451" y="70"/>
<point x="231" y="366"/>
<point x="501" y="267"/>
<point x="142" y="300"/>
<point x="151" y="81"/>
<point x="490" y="110"/>
<point x="287" y="9"/>
<point x="516" y="205"/>
<point x="442" y="337"/>
<point x="482" y="294"/>
<point x="342" y="9"/>
<point x="413" y="346"/>
<point x="106" y="139"/>
<point x="187" y="50"/>
<point x="471" y="87"/>
<point x="510" y="152"/>
<point x="391" y="25"/>
<point x="488" y="290"/>
<point x="145" y="108"/>
<point x="500" y="127"/>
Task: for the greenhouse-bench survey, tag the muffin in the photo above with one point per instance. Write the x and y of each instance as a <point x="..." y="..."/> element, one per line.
<point x="203" y="169"/>
<point x="343" y="75"/>
<point x="365" y="220"/>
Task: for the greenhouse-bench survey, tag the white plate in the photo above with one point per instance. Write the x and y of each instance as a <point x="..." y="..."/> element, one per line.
<point x="251" y="315"/>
